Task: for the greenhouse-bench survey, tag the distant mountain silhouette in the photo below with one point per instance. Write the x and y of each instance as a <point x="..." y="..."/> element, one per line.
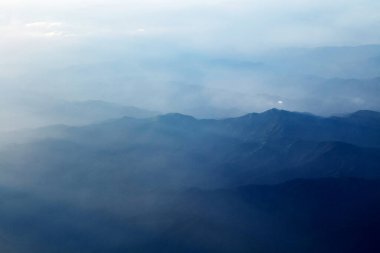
<point x="91" y="111"/>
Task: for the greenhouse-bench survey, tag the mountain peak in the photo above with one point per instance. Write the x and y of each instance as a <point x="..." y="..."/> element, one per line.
<point x="365" y="114"/>
<point x="274" y="110"/>
<point x="176" y="117"/>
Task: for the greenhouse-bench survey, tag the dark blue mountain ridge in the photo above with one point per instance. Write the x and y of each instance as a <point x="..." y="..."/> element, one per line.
<point x="366" y="114"/>
<point x="269" y="182"/>
<point x="176" y="150"/>
<point x="360" y="128"/>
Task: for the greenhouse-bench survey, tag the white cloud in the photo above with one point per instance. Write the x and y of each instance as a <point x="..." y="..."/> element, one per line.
<point x="44" y="25"/>
<point x="18" y="31"/>
<point x="46" y="29"/>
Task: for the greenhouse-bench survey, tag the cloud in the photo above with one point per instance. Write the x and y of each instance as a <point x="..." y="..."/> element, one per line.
<point x="47" y="29"/>
<point x="18" y="31"/>
<point x="44" y="25"/>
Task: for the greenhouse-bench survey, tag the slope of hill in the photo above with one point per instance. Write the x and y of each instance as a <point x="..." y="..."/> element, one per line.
<point x="320" y="215"/>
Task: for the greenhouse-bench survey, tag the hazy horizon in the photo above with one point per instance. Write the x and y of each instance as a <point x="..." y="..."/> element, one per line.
<point x="209" y="59"/>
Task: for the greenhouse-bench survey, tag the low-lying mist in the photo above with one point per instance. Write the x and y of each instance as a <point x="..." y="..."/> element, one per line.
<point x="324" y="81"/>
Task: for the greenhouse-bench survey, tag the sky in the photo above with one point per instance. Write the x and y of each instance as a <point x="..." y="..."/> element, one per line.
<point x="240" y="25"/>
<point x="152" y="53"/>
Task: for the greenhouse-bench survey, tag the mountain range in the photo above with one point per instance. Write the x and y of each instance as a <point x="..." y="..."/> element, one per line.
<point x="276" y="181"/>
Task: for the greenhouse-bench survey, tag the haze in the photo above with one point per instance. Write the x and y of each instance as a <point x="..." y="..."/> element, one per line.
<point x="210" y="59"/>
